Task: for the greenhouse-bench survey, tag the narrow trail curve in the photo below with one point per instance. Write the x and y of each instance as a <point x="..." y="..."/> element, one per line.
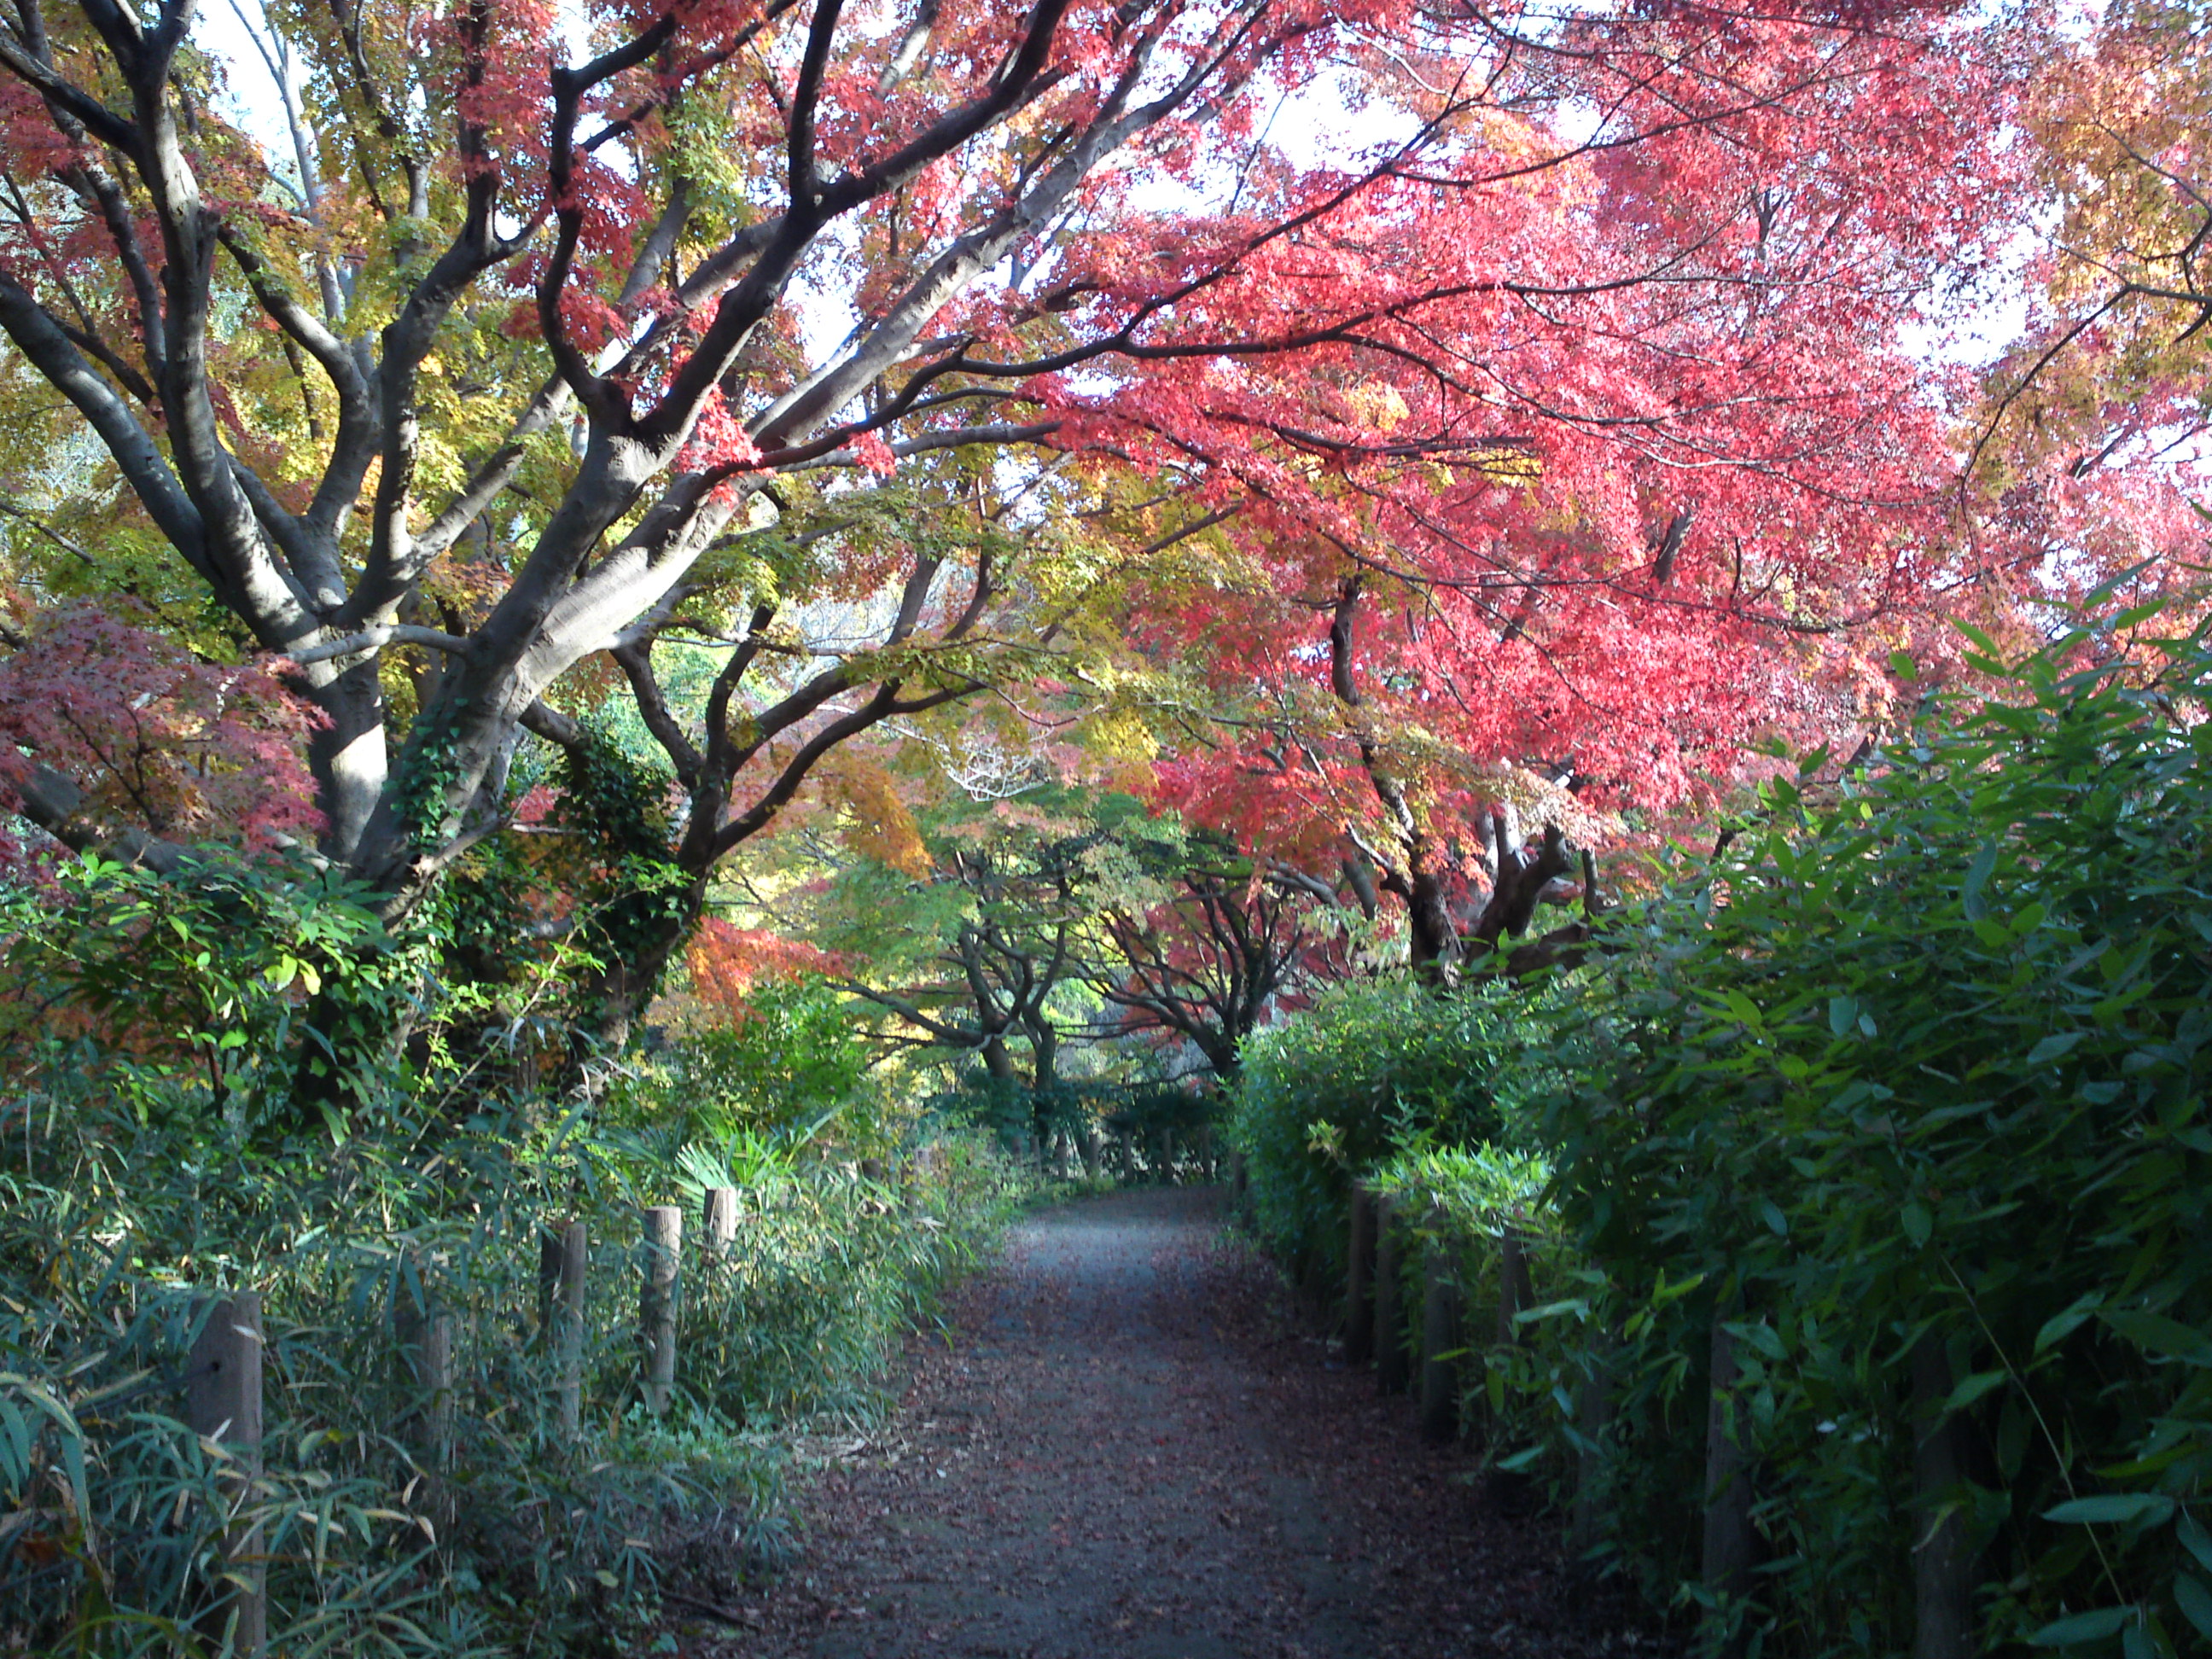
<point x="1126" y="1448"/>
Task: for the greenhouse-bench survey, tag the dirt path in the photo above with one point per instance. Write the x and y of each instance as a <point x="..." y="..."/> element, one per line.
<point x="1126" y="1449"/>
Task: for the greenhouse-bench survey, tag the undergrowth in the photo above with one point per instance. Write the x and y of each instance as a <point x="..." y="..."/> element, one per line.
<point x="123" y="1208"/>
<point x="1899" y="1103"/>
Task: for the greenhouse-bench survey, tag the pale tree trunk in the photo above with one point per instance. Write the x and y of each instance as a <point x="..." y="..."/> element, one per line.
<point x="286" y="561"/>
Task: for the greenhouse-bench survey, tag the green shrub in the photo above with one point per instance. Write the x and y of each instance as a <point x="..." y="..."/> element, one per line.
<point x="1372" y="1069"/>
<point x="795" y="1058"/>
<point x="1463" y="1200"/>
<point x="231" y="983"/>
<point x="1919" y="1065"/>
<point x="1930" y="1061"/>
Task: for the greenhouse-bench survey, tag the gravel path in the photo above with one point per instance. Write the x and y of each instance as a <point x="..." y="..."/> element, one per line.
<point x="1128" y="1448"/>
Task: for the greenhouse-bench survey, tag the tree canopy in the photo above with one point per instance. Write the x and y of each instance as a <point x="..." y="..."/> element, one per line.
<point x="1369" y="428"/>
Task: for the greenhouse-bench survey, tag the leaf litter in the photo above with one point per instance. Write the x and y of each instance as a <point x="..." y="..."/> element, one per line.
<point x="1126" y="1440"/>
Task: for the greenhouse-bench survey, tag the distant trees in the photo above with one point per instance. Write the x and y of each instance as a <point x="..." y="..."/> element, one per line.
<point x="1063" y="919"/>
<point x="990" y="983"/>
<point x="1197" y="943"/>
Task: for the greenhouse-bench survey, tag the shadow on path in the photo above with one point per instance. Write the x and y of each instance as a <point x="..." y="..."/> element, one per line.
<point x="1129" y="1450"/>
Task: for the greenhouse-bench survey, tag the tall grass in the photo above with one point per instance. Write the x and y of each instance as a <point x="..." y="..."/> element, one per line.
<point x="122" y="1211"/>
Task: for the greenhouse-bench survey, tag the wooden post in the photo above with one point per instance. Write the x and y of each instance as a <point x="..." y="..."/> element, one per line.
<point x="1593" y="1415"/>
<point x="916" y="1173"/>
<point x="1313" y="1282"/>
<point x="664" y="1246"/>
<point x="1359" y="1281"/>
<point x="550" y="1238"/>
<point x="223" y="1403"/>
<point x="1515" y="1292"/>
<point x="722" y="1220"/>
<point x="426" y="1356"/>
<point x="1440" y="1323"/>
<point x="571" y="1260"/>
<point x="1943" y="1568"/>
<point x="437" y="1382"/>
<point x="1393" y="1366"/>
<point x="1730" y="1543"/>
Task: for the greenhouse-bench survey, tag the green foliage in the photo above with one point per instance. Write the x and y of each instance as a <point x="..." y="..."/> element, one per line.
<point x="522" y="1539"/>
<point x="1470" y="1192"/>
<point x="794" y="1059"/>
<point x="617" y="871"/>
<point x="1931" y="1059"/>
<point x="135" y="1180"/>
<point x="482" y="912"/>
<point x="798" y="1322"/>
<point x="1921" y="1063"/>
<point x="1373" y="1068"/>
<point x="235" y="974"/>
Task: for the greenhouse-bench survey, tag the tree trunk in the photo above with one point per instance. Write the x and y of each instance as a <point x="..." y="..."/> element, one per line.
<point x="1944" y="1567"/>
<point x="347" y="757"/>
<point x="614" y="997"/>
<point x="1433" y="947"/>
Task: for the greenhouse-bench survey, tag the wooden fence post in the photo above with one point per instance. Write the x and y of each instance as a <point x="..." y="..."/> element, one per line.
<point x="425" y="1337"/>
<point x="1359" y="1281"/>
<point x="1440" y="1334"/>
<point x="915" y="1175"/>
<point x="223" y="1402"/>
<point x="550" y="1238"/>
<point x="1590" y="1419"/>
<point x="1393" y="1368"/>
<point x="1593" y="1416"/>
<point x="722" y="1220"/>
<point x="1943" y="1568"/>
<point x="664" y="1246"/>
<point x="569" y="1246"/>
<point x="1517" y="1293"/>
<point x="1730" y="1546"/>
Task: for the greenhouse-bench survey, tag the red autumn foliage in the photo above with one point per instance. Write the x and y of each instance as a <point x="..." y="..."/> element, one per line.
<point x="183" y="750"/>
<point x="728" y="961"/>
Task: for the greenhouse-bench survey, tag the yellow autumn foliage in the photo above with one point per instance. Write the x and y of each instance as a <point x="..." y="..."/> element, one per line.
<point x="876" y="822"/>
